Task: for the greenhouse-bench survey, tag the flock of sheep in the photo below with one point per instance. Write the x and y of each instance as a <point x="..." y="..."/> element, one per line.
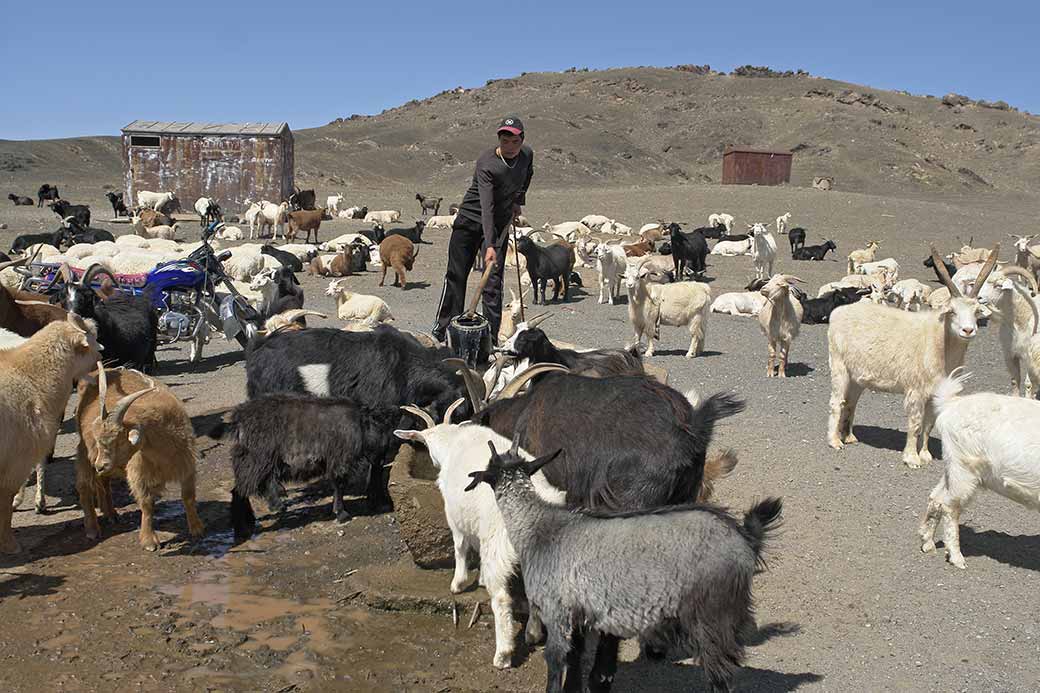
<point x="336" y="398"/>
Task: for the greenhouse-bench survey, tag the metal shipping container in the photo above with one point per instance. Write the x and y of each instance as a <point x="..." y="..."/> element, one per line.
<point x="755" y="167"/>
<point x="229" y="162"/>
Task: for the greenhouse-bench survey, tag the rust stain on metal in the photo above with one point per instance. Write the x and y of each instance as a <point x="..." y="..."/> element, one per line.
<point x="755" y="167"/>
<point x="229" y="163"/>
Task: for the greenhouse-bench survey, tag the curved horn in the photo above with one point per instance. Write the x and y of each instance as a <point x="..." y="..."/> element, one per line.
<point x="102" y="390"/>
<point x="1021" y="272"/>
<point x="451" y="409"/>
<point x="984" y="273"/>
<point x="538" y="320"/>
<point x="475" y="387"/>
<point x="516" y="384"/>
<point x="792" y="278"/>
<point x="940" y="268"/>
<point x="297" y="313"/>
<point x="32" y="303"/>
<point x="412" y="409"/>
<point x="88" y="276"/>
<point x="119" y="411"/>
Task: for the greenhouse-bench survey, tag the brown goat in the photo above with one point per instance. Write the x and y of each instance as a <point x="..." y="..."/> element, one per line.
<point x="150" y="218"/>
<point x="639" y="249"/>
<point x="150" y="444"/>
<point x="305" y="220"/>
<point x="400" y="253"/>
<point x="338" y="266"/>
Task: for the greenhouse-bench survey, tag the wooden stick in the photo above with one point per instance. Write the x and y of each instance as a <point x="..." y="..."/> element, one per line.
<point x="519" y="285"/>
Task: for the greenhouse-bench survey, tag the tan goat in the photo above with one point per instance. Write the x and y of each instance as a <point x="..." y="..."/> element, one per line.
<point x="150" y="444"/>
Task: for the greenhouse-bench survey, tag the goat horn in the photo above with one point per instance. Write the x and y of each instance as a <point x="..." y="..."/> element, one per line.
<point x="13" y="263"/>
<point x="987" y="268"/>
<point x="124" y="404"/>
<point x="297" y="313"/>
<point x="451" y="409"/>
<point x="475" y="387"/>
<point x="31" y="303"/>
<point x="940" y="268"/>
<point x="102" y="389"/>
<point x="538" y="320"/>
<point x="412" y="409"/>
<point x="1021" y="272"/>
<point x="792" y="278"/>
<point x="516" y="384"/>
<point x="500" y="362"/>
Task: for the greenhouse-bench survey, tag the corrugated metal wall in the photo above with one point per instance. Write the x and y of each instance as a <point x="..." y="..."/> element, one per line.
<point x="756" y="168"/>
<point x="227" y="168"/>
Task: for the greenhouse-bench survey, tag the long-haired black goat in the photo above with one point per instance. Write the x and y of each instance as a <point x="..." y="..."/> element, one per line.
<point x="288" y="437"/>
<point x="127" y="325"/>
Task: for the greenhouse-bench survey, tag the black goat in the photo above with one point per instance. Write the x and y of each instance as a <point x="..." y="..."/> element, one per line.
<point x="359" y="257"/>
<point x="817" y="311"/>
<point x="535" y="346"/>
<point x="47" y="192"/>
<point x="360" y="213"/>
<point x="58" y="238"/>
<point x="289" y="437"/>
<point x="301" y="199"/>
<point x="814" y="252"/>
<point x="20" y="200"/>
<point x="382" y="368"/>
<point x="413" y="234"/>
<point x="84" y="234"/>
<point x="734" y="237"/>
<point x="553" y="262"/>
<point x="756" y="284"/>
<point x="689" y="250"/>
<point x="4" y="257"/>
<point x="118" y="205"/>
<point x="796" y="237"/>
<point x="210" y="214"/>
<point x="65" y="209"/>
<point x="950" y="268"/>
<point x="716" y="232"/>
<point x="429" y="202"/>
<point x="289" y="294"/>
<point x="376" y="234"/>
<point x="283" y="256"/>
<point x="126" y="325"/>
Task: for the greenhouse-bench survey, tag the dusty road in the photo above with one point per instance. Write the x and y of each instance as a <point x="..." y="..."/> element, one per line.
<point x="848" y="603"/>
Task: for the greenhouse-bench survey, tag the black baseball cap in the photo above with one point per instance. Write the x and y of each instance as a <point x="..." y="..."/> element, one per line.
<point x="512" y="125"/>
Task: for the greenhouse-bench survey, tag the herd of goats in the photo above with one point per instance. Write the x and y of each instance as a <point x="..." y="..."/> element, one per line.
<point x="646" y="556"/>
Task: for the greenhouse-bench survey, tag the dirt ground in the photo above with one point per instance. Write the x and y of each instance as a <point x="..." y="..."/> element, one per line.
<point x="848" y="603"/>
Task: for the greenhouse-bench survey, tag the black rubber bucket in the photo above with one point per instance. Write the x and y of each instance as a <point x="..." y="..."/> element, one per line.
<point x="469" y="338"/>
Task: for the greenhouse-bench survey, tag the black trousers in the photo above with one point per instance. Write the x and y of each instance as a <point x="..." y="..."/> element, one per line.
<point x="467" y="239"/>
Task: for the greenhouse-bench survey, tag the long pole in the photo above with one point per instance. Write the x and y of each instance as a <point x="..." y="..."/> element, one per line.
<point x="519" y="285"/>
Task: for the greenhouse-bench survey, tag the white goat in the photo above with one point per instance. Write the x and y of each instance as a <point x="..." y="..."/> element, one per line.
<point x="783" y="222"/>
<point x="910" y="294"/>
<point x="888" y="350"/>
<point x="615" y="227"/>
<point x="230" y="233"/>
<point x="595" y="221"/>
<point x="162" y="231"/>
<point x="473" y="515"/>
<point x="153" y="200"/>
<point x="763" y="250"/>
<point x="351" y="306"/>
<point x="721" y="218"/>
<point x="858" y="257"/>
<point x="677" y="304"/>
<point x="888" y="264"/>
<point x="332" y="203"/>
<point x="611" y="264"/>
<point x="442" y="221"/>
<point x="273" y="217"/>
<point x="1016" y="311"/>
<point x="1027" y="256"/>
<point x="732" y="248"/>
<point x="386" y="216"/>
<point x="780" y="319"/>
<point x="989" y="441"/>
<point x="744" y="303"/>
<point x="249" y="216"/>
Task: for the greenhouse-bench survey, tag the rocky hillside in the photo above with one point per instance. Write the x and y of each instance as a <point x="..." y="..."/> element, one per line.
<point x="640" y="126"/>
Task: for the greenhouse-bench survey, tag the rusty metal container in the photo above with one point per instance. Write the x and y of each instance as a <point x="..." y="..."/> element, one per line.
<point x="755" y="167"/>
<point x="229" y="162"/>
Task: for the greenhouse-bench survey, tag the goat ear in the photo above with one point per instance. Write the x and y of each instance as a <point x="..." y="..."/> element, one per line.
<point x="134" y="435"/>
<point x="537" y="463"/>
<point x="477" y="477"/>
<point x="409" y="435"/>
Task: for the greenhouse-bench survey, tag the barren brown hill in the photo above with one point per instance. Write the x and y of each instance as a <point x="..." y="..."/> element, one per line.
<point x="639" y="126"/>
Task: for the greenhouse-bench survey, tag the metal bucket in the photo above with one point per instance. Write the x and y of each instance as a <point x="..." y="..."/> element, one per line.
<point x="469" y="338"/>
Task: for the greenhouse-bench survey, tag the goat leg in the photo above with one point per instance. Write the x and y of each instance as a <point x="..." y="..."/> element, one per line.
<point x="601" y="677"/>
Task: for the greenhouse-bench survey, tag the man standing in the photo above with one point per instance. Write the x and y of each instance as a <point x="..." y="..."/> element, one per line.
<point x="494" y="198"/>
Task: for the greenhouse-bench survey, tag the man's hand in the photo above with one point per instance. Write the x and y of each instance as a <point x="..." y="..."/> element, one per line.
<point x="490" y="256"/>
<point x="517" y="211"/>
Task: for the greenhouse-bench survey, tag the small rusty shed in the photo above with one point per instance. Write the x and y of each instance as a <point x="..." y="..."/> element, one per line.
<point x="228" y="162"/>
<point x="755" y="167"/>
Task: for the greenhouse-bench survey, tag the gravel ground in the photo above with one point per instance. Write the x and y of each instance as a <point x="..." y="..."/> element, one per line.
<point x="848" y="602"/>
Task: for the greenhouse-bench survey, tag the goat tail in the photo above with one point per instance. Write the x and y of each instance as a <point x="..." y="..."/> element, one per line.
<point x="760" y="522"/>
<point x="948" y="389"/>
<point x="718" y="465"/>
<point x="718" y="406"/>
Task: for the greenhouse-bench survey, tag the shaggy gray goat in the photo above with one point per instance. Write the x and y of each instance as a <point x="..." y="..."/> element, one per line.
<point x="677" y="576"/>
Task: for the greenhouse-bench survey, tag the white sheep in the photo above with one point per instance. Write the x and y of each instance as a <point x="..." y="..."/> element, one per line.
<point x="106" y="248"/>
<point x="78" y="250"/>
<point x="721" y="218"/>
<point x="230" y="233"/>
<point x="153" y="200"/>
<point x="244" y="263"/>
<point x="106" y="261"/>
<point x="858" y="257"/>
<point x="744" y="303"/>
<point x="303" y="251"/>
<point x="442" y="221"/>
<point x="611" y="264"/>
<point x="473" y="516"/>
<point x="677" y="304"/>
<point x="910" y="294"/>
<point x="889" y="350"/>
<point x="780" y="319"/>
<point x="989" y="442"/>
<point x="783" y="222"/>
<point x="569" y="231"/>
<point x="332" y="203"/>
<point x="732" y="248"/>
<point x="763" y="249"/>
<point x="352" y="306"/>
<point x="41" y="251"/>
<point x="888" y="264"/>
<point x="595" y="221"/>
<point x="615" y="227"/>
<point x="349" y="212"/>
<point x="130" y="262"/>
<point x="162" y="231"/>
<point x="337" y="244"/>
<point x="385" y="216"/>
<point x="882" y="280"/>
<point x="133" y="240"/>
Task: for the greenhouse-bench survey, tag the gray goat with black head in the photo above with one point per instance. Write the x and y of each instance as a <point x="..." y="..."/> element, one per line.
<point x="677" y="576"/>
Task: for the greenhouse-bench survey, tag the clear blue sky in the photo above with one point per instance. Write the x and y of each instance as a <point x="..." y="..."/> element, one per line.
<point x="80" y="68"/>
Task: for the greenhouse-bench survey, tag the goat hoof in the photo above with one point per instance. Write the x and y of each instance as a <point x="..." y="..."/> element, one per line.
<point x="912" y="462"/>
<point x="957" y="561"/>
<point x="343" y="517"/>
<point x="503" y="660"/>
<point x="150" y="544"/>
<point x="925" y="457"/>
<point x="836" y="443"/>
<point x="928" y="546"/>
<point x="850" y="439"/>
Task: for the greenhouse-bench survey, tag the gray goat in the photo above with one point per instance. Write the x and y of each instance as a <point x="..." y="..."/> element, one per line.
<point x="677" y="576"/>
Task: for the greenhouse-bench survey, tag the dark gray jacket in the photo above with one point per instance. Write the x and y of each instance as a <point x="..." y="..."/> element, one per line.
<point x="495" y="189"/>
